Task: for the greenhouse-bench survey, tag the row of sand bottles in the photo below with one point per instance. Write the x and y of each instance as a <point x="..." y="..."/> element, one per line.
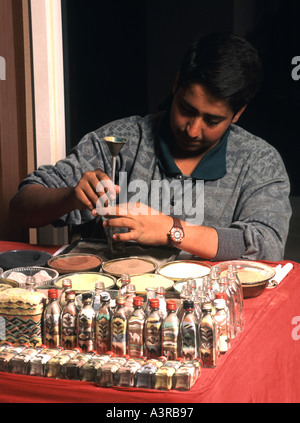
<point x="217" y="310"/>
<point x="207" y="319"/>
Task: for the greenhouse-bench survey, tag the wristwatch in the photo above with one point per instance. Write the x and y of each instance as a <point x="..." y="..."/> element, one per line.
<point x="176" y="234"/>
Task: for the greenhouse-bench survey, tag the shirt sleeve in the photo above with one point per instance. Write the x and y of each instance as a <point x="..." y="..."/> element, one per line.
<point x="260" y="228"/>
<point x="86" y="156"/>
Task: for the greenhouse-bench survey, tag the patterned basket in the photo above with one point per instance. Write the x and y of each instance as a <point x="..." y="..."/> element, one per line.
<point x="21" y="314"/>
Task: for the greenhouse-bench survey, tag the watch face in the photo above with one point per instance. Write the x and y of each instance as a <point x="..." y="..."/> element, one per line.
<point x="176" y="235"/>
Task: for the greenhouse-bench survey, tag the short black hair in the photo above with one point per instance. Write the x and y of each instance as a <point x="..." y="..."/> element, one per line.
<point x="227" y="65"/>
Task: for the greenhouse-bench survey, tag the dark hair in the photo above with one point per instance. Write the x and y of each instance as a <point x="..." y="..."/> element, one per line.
<point x="225" y="64"/>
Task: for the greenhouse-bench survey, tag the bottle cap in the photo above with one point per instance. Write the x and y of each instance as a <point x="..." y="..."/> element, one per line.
<point x="111" y="353"/>
<point x="154" y="303"/>
<point x="66" y="283"/>
<point x="87" y="296"/>
<point x="138" y="301"/>
<point x="130" y="288"/>
<point x="171" y="305"/>
<point x="120" y="300"/>
<point x="125" y="278"/>
<point x="206" y="306"/>
<point x="52" y="293"/>
<point x="70" y="294"/>
<point x="105" y="296"/>
<point x="188" y="305"/>
<point x="99" y="285"/>
<point x="160" y="290"/>
<point x="220" y="295"/>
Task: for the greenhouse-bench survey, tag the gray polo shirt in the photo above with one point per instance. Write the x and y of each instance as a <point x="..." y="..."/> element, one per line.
<point x="240" y="187"/>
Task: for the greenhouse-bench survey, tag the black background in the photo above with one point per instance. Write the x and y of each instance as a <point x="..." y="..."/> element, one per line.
<point x="121" y="59"/>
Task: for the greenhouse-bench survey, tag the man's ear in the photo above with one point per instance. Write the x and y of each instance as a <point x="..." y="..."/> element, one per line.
<point x="238" y="114"/>
<point x="175" y="83"/>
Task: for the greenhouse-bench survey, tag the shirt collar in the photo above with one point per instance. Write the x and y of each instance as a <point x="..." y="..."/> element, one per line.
<point x="211" y="167"/>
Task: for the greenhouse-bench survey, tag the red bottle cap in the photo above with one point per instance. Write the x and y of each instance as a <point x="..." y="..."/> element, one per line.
<point x="138" y="301"/>
<point x="171" y="305"/>
<point x="154" y="302"/>
<point x="52" y="293"/>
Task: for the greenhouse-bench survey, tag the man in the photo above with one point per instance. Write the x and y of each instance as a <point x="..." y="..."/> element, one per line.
<point x="243" y="209"/>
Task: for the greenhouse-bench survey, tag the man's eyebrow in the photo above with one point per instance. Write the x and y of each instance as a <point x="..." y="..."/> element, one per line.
<point x="208" y="115"/>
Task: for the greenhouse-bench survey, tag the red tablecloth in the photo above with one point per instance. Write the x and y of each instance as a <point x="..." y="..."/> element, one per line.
<point x="262" y="366"/>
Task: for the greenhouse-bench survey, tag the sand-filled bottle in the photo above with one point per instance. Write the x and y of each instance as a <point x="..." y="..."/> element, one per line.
<point x="51" y="320"/>
<point x="68" y="322"/>
<point x="135" y="330"/>
<point x="170" y="332"/>
<point x="86" y="324"/>
<point x="103" y="325"/>
<point x="119" y="328"/>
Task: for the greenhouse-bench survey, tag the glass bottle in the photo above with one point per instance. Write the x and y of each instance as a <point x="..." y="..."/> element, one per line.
<point x="153" y="331"/>
<point x="170" y="332"/>
<point x="222" y="321"/>
<point x="184" y="295"/>
<point x="150" y="292"/>
<point x="125" y="280"/>
<point x="66" y="286"/>
<point x="188" y="332"/>
<point x="68" y="322"/>
<point x="37" y="364"/>
<point x="88" y="371"/>
<point x="8" y="354"/>
<point x="129" y="296"/>
<point x="160" y="294"/>
<point x="230" y="302"/>
<point x="86" y="324"/>
<point x="51" y="320"/>
<point x="125" y="374"/>
<point x="236" y="285"/>
<point x="103" y="325"/>
<point x="119" y="328"/>
<point x="107" y="372"/>
<point x="19" y="363"/>
<point x="30" y="284"/>
<point x="184" y="378"/>
<point x="145" y="375"/>
<point x="135" y="329"/>
<point x="99" y="289"/>
<point x="54" y="367"/>
<point x="71" y="369"/>
<point x="215" y="278"/>
<point x="208" y="338"/>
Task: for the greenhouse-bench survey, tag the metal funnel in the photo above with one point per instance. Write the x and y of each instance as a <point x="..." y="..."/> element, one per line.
<point x="115" y="144"/>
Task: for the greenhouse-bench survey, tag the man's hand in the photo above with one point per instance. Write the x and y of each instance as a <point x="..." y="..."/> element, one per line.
<point x="94" y="185"/>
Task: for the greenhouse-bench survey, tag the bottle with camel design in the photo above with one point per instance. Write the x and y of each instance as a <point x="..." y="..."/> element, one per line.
<point x="170" y="332"/>
<point x="86" y="324"/>
<point x="103" y="325"/>
<point x="135" y="330"/>
<point x="68" y="322"/>
<point x="153" y="331"/>
<point x="119" y="328"/>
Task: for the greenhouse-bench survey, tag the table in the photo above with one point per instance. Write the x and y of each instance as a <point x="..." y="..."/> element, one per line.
<point x="262" y="366"/>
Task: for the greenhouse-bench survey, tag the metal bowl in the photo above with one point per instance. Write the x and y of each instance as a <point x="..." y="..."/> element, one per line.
<point x="148" y="280"/>
<point x="184" y="269"/>
<point x="75" y="262"/>
<point x="17" y="273"/>
<point x="85" y="281"/>
<point x="132" y="266"/>
<point x="254" y="276"/>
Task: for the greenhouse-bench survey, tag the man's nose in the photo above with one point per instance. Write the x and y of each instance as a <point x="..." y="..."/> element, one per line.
<point x="195" y="127"/>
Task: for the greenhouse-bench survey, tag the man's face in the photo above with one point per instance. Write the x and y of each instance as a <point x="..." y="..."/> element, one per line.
<point x="198" y="120"/>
